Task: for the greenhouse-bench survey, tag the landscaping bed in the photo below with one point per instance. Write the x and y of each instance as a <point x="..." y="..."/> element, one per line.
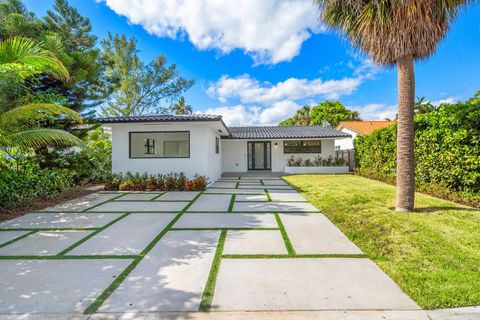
<point x="433" y="254"/>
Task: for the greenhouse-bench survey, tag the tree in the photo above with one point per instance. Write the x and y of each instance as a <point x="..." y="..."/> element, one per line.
<point x="181" y="107"/>
<point x="396" y="33"/>
<point x="16" y="20"/>
<point x="301" y="118"/>
<point x="331" y="113"/>
<point x="138" y="88"/>
<point x="19" y="127"/>
<point x="423" y="106"/>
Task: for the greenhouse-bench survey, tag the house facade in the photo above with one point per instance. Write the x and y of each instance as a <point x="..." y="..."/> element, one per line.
<point x="203" y="144"/>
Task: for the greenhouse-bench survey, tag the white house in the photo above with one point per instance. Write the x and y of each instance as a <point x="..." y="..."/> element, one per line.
<point x="203" y="144"/>
<point x="354" y="128"/>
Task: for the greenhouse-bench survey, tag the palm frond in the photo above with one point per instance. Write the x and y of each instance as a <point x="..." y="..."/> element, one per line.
<point x="39" y="138"/>
<point x="36" y="111"/>
<point x="29" y="52"/>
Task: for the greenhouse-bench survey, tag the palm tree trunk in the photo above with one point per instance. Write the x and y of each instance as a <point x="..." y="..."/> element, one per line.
<point x="405" y="135"/>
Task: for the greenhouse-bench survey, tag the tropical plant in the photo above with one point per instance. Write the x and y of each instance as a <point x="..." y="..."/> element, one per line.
<point x="181" y="107"/>
<point x="422" y="105"/>
<point x="301" y="118"/>
<point x="330" y="113"/>
<point x="396" y="33"/>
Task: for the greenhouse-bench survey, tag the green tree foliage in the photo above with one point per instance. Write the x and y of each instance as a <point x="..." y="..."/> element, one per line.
<point x="422" y="105"/>
<point x="327" y="113"/>
<point x="138" y="88"/>
<point x="181" y="107"/>
<point x="447" y="148"/>
<point x="16" y="20"/>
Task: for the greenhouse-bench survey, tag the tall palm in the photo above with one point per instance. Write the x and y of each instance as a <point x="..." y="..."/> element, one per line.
<point x="302" y="117"/>
<point x="19" y="126"/>
<point x="396" y="32"/>
<point x="181" y="107"/>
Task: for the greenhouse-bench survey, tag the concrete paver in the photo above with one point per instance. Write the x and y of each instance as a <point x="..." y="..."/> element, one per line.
<point x="54" y="286"/>
<point x="235" y="191"/>
<point x="226" y="220"/>
<point x="286" y="195"/>
<point x="223" y="185"/>
<point x="306" y="284"/>
<point x="275" y="183"/>
<point x="141" y="206"/>
<point x="178" y="196"/>
<point x="43" y="243"/>
<point x="211" y="202"/>
<point x="274" y="206"/>
<point x="251" y="197"/>
<point x="139" y="196"/>
<point x="171" y="277"/>
<point x="315" y="234"/>
<point x="254" y="242"/>
<point x="61" y="220"/>
<point x="83" y="203"/>
<point x="264" y="187"/>
<point x="128" y="236"/>
<point x="6" y="236"/>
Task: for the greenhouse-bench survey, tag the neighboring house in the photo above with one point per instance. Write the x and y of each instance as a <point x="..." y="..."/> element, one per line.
<point x="355" y="128"/>
<point x="203" y="144"/>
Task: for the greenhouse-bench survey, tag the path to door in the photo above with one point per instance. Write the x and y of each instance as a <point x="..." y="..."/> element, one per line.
<point x="245" y="244"/>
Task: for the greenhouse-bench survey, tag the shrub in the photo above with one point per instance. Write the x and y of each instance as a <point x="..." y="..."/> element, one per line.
<point x="317" y="162"/>
<point x="169" y="182"/>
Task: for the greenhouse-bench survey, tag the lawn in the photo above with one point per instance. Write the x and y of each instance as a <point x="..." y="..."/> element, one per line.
<point x="433" y="254"/>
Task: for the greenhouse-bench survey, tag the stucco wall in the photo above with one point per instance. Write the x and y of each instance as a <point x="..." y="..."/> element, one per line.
<point x="202" y="160"/>
<point x="234" y="158"/>
<point x="346" y="143"/>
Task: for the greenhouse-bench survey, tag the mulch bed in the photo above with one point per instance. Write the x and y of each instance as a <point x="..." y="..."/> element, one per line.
<point x="42" y="203"/>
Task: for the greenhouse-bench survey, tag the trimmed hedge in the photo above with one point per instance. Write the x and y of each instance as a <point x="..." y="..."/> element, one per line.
<point x="20" y="188"/>
<point x="447" y="152"/>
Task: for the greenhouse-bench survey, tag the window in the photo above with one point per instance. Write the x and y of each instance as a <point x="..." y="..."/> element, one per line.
<point x="149" y="146"/>
<point x="169" y="144"/>
<point x="217" y="145"/>
<point x="302" y="146"/>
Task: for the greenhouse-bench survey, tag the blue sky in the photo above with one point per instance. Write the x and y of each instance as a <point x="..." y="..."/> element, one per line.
<point x="256" y="62"/>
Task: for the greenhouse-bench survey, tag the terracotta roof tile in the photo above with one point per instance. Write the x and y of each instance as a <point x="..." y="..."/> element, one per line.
<point x="365" y="127"/>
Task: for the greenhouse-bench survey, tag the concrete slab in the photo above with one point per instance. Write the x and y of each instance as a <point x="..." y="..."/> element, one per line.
<point x="6" y="236"/>
<point x="139" y="196"/>
<point x="275" y="183"/>
<point x="236" y="191"/>
<point x="315" y="234"/>
<point x="466" y="313"/>
<point x="286" y="195"/>
<point x="43" y="243"/>
<point x="178" y="196"/>
<point x="251" y="197"/>
<point x="128" y="236"/>
<point x="265" y="187"/>
<point x="83" y="203"/>
<point x="254" y="242"/>
<point x="223" y="185"/>
<point x="260" y="178"/>
<point x="274" y="207"/>
<point x="250" y="183"/>
<point x="153" y="206"/>
<point x="211" y="202"/>
<point x="54" y="286"/>
<point x="171" y="277"/>
<point x="306" y="284"/>
<point x="60" y="220"/>
<point x="226" y="220"/>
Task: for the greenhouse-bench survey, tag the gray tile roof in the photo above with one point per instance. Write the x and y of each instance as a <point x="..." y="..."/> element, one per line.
<point x="162" y="118"/>
<point x="284" y="132"/>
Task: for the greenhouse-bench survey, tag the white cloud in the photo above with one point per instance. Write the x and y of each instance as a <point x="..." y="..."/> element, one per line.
<point x="375" y="111"/>
<point x="249" y="90"/>
<point x="270" y="31"/>
<point x="449" y="100"/>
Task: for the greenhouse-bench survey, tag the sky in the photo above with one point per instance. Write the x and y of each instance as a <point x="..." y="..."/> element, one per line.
<point x="257" y="62"/>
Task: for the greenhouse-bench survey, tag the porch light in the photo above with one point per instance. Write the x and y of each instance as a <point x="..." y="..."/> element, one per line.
<point x="275" y="144"/>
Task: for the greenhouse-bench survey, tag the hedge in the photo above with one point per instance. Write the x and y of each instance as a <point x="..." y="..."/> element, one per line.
<point x="447" y="151"/>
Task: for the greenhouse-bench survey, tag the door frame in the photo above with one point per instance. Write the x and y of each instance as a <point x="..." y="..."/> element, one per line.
<point x="267" y="165"/>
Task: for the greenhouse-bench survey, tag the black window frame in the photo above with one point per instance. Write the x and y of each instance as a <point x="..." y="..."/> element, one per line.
<point x="149" y="147"/>
<point x="217" y="145"/>
<point x="130" y="144"/>
<point x="305" y="149"/>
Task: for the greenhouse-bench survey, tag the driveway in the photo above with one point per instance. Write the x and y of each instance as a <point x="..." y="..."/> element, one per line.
<point x="245" y="244"/>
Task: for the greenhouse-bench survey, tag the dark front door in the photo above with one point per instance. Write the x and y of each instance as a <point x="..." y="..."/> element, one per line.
<point x="259" y="155"/>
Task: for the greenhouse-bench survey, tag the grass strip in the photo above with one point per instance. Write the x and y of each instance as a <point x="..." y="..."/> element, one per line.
<point x="103" y="202"/>
<point x="232" y="203"/>
<point x="92" y="308"/>
<point x="207" y="296"/>
<point x="261" y="182"/>
<point x="156" y="197"/>
<point x="236" y="185"/>
<point x="77" y="257"/>
<point x="286" y="256"/>
<point x="269" y="198"/>
<point x="286" y="239"/>
<point x="18" y="238"/>
<point x="91" y="235"/>
<point x="240" y="229"/>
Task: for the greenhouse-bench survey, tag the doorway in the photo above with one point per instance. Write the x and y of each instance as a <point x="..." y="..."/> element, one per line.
<point x="259" y="155"/>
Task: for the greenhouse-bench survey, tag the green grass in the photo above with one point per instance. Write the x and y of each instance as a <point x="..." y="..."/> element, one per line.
<point x="286" y="239"/>
<point x="433" y="254"/>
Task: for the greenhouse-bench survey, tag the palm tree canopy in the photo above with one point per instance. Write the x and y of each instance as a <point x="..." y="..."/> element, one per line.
<point x="390" y="29"/>
<point x="36" y="111"/>
<point x="29" y="53"/>
<point x="181" y="107"/>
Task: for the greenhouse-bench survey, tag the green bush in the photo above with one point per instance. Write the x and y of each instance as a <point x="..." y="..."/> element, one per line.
<point x="447" y="151"/>
<point x="169" y="182"/>
<point x="20" y="188"/>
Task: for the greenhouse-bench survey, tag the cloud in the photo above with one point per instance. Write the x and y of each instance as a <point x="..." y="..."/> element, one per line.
<point x="375" y="111"/>
<point x="270" y="31"/>
<point x="249" y="90"/>
<point x="449" y="100"/>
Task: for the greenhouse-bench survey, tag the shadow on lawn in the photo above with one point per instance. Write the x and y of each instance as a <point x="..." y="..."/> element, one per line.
<point x="434" y="209"/>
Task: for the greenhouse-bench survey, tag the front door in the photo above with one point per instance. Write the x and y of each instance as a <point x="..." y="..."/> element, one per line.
<point x="259" y="155"/>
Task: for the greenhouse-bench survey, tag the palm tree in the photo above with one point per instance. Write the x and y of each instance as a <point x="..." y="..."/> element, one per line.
<point x="19" y="128"/>
<point x="181" y="107"/>
<point x="396" y="33"/>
